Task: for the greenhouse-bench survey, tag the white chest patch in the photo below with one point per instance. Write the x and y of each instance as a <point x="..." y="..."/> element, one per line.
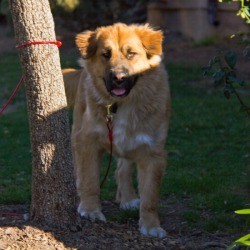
<point x="144" y="139"/>
<point x="124" y="142"/>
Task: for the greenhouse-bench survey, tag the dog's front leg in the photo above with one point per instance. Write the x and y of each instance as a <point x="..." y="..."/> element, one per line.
<point x="150" y="171"/>
<point x="87" y="161"/>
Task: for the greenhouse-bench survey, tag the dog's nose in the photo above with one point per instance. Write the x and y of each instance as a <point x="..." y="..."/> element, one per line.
<point x="118" y="77"/>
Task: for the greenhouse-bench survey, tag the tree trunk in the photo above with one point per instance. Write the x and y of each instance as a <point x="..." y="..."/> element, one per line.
<point x="53" y="186"/>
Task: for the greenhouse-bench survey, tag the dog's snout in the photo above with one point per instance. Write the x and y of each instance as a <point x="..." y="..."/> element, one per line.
<point x="118" y="77"/>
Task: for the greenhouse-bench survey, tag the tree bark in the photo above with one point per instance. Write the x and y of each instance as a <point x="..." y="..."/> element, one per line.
<point x="53" y="187"/>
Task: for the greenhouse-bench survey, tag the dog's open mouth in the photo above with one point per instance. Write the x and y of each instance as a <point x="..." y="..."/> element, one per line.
<point x="119" y="88"/>
<point x="118" y="92"/>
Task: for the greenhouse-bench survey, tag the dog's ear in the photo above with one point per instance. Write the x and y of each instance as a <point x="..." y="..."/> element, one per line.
<point x="86" y="43"/>
<point x="151" y="40"/>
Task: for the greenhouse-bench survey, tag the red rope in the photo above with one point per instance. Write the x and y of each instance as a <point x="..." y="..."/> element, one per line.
<point x="57" y="43"/>
<point x="12" y="95"/>
<point x="11" y="215"/>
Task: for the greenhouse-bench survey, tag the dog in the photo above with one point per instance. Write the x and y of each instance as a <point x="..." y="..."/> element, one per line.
<point x="122" y="68"/>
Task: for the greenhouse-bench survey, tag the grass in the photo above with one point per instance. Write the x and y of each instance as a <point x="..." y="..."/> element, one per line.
<point x="208" y="147"/>
<point x="208" y="41"/>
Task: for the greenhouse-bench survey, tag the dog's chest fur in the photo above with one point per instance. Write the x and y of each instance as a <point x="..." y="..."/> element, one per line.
<point x="128" y="131"/>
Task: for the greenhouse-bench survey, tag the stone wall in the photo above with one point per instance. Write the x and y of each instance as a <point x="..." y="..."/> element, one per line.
<point x="191" y="18"/>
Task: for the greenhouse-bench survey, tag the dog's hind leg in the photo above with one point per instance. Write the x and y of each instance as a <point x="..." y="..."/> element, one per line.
<point x="126" y="194"/>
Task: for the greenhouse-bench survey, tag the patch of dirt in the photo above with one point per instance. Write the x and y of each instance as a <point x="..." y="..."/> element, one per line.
<point x="16" y="233"/>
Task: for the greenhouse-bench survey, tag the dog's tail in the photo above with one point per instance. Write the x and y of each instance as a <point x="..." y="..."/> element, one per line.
<point x="71" y="79"/>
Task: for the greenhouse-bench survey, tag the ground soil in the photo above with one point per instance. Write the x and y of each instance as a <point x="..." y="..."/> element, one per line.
<point x="18" y="233"/>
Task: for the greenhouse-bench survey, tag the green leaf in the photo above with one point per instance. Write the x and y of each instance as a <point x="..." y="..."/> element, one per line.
<point x="246" y="10"/>
<point x="218" y="75"/>
<point x="245" y="240"/>
<point x="231" y="79"/>
<point x="213" y="61"/>
<point x="231" y="58"/>
<point x="246" y="52"/>
<point x="243" y="211"/>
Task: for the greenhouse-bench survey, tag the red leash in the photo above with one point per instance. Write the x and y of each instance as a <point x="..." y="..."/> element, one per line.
<point x="109" y="120"/>
<point x="57" y="43"/>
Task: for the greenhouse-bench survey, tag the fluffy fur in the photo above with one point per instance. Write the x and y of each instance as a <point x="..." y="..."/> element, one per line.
<point x="122" y="65"/>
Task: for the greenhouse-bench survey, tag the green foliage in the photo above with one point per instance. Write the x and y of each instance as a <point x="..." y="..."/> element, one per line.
<point x="222" y="69"/>
<point x="245" y="240"/>
<point x="243" y="211"/>
<point x="208" y="41"/>
<point x="67" y="5"/>
<point x="231" y="58"/>
<point x="224" y="73"/>
<point x="244" y="11"/>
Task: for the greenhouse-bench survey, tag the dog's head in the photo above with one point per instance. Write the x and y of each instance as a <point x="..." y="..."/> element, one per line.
<point x="116" y="56"/>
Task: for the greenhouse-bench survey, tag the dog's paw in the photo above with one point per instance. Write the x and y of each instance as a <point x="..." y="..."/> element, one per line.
<point x="154" y="231"/>
<point x="131" y="205"/>
<point x="93" y="215"/>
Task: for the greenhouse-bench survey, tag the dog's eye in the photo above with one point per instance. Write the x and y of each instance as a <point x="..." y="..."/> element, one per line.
<point x="131" y="55"/>
<point x="107" y="54"/>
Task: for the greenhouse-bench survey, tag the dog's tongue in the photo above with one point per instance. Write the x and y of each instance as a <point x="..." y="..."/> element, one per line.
<point x="118" y="91"/>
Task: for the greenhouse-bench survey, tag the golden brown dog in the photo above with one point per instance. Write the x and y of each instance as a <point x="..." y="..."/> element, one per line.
<point x="121" y="67"/>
